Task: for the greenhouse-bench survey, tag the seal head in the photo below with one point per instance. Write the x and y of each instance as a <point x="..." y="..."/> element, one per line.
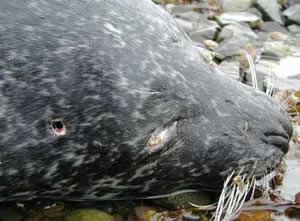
<point x="104" y="99"/>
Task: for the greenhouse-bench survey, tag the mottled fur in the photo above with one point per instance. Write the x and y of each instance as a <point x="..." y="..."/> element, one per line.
<point x="119" y="73"/>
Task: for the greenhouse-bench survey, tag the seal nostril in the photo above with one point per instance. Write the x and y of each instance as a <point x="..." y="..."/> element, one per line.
<point x="280" y="140"/>
<point x="276" y="133"/>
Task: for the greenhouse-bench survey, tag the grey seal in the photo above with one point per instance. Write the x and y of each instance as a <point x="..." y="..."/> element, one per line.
<point x="104" y="99"/>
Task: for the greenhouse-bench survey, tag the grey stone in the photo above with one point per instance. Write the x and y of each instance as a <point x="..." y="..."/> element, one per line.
<point x="289" y="3"/>
<point x="190" y="16"/>
<point x="285" y="84"/>
<point x="233" y="17"/>
<point x="198" y="26"/>
<point x="293" y="13"/>
<point x="235" y="5"/>
<point x="234" y="37"/>
<point x="177" y="9"/>
<point x="271" y="26"/>
<point x="204" y="31"/>
<point x="236" y="29"/>
<point x="294" y="28"/>
<point x="277" y="49"/>
<point x="270" y="10"/>
<point x="256" y="12"/>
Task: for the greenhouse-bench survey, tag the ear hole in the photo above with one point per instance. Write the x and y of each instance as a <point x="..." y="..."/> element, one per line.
<point x="58" y="127"/>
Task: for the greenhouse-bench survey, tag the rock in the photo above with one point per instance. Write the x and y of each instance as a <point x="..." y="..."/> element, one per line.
<point x="262" y="36"/>
<point x="88" y="215"/>
<point x="294" y="28"/>
<point x="234" y="30"/>
<point x="201" y="35"/>
<point x="235" y="6"/>
<point x="256" y="12"/>
<point x="270" y="10"/>
<point x="197" y="26"/>
<point x="277" y="50"/>
<point x="271" y="26"/>
<point x="191" y="16"/>
<point x="277" y="36"/>
<point x="233" y="17"/>
<point x="231" y="68"/>
<point x="293" y="13"/>
<point x="288" y="3"/>
<point x="210" y="44"/>
<point x="177" y="9"/>
<point x="233" y="37"/>
<point x="160" y="2"/>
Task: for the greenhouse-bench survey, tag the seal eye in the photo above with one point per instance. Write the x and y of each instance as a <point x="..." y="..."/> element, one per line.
<point x="58" y="127"/>
<point x="161" y="137"/>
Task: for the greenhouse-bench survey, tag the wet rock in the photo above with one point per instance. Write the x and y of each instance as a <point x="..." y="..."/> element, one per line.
<point x="233" y="17"/>
<point x="235" y="6"/>
<point x="271" y="26"/>
<point x="294" y="28"/>
<point x="270" y="10"/>
<point x="233" y="37"/>
<point x="293" y="13"/>
<point x="88" y="215"/>
<point x="231" y="68"/>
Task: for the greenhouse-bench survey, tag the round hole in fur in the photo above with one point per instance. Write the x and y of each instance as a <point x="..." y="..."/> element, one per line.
<point x="58" y="127"/>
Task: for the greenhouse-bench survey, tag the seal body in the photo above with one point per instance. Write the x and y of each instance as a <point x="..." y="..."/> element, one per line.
<point x="104" y="99"/>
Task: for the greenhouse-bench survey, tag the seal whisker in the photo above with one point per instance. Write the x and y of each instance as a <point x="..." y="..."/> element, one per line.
<point x="252" y="69"/>
<point x="234" y="195"/>
<point x="270" y="84"/>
